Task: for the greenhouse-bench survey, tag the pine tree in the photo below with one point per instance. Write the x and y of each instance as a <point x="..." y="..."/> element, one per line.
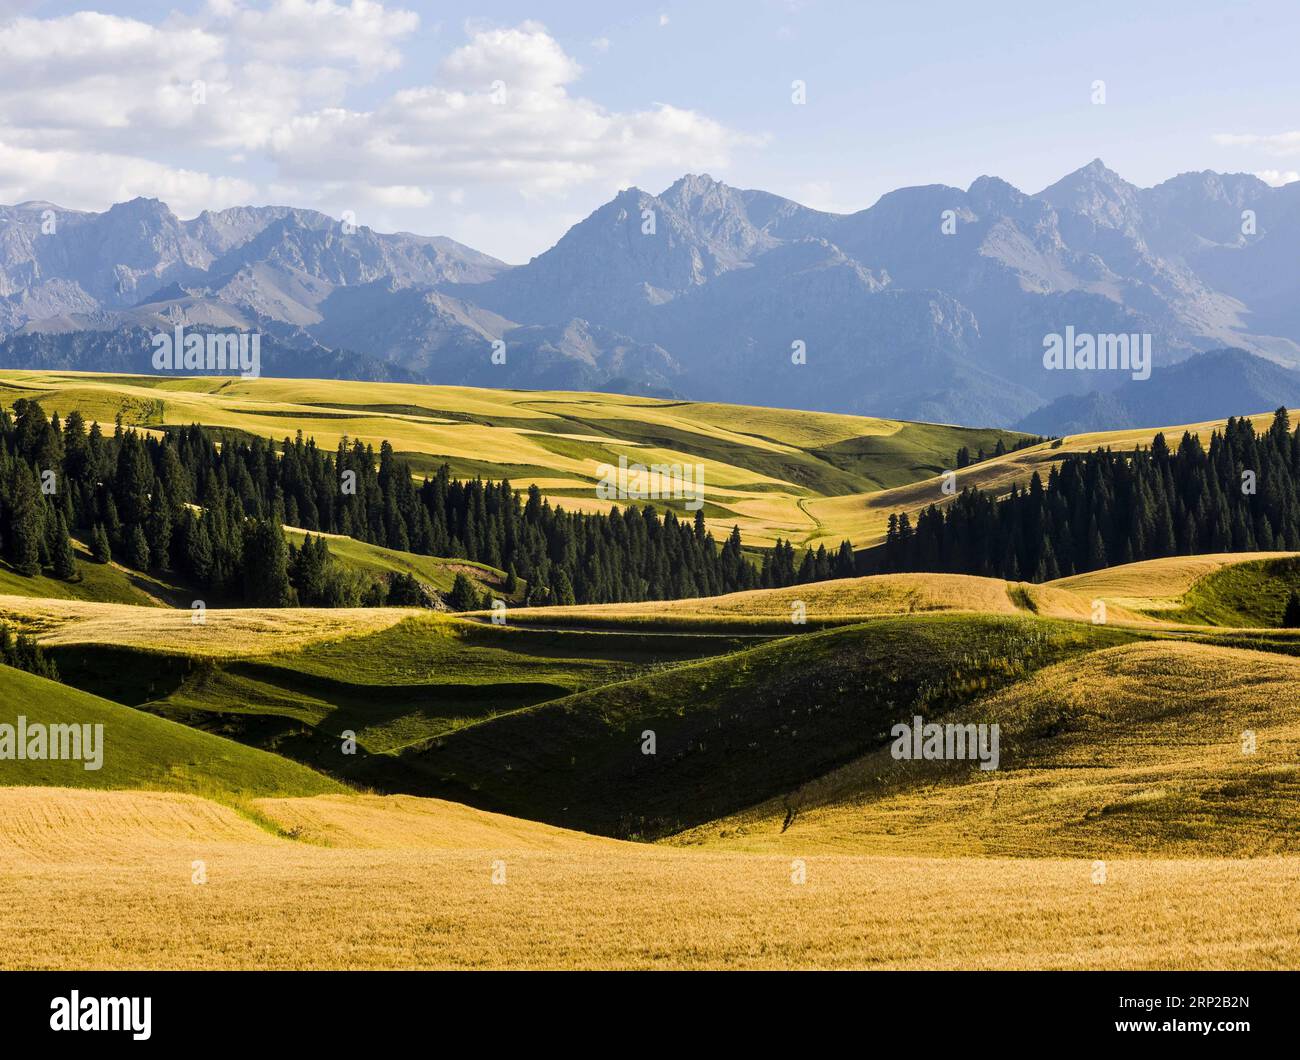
<point x="100" y="550"/>
<point x="198" y="552"/>
<point x="266" y="565"/>
<point x="65" y="561"/>
<point x="404" y="591"/>
<point x="137" y="548"/>
<point x="23" y="522"/>
<point x="463" y="595"/>
<point x="563" y="589"/>
<point x="158" y="528"/>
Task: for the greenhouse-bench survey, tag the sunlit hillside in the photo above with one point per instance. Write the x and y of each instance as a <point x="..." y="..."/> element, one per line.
<point x="399" y="787"/>
<point x="761" y="465"/>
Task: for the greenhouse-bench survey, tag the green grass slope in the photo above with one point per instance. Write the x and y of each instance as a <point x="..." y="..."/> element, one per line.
<point x="735" y="730"/>
<point x="107" y="583"/>
<point x="1162" y="748"/>
<point x="375" y="559"/>
<point x="142" y="751"/>
<point x="1250" y="594"/>
<point x="427" y="676"/>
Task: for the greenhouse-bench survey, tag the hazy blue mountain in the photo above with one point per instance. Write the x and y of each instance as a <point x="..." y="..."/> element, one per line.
<point x="932" y="303"/>
<point x="1206" y="386"/>
<point x="130" y="350"/>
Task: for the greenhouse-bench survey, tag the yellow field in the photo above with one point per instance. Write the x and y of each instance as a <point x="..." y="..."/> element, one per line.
<point x="1155" y="584"/>
<point x="1128" y="825"/>
<point x="842" y="601"/>
<point x="222" y="632"/>
<point x="533" y="429"/>
<point x="401" y="822"/>
<point x="1140" y="835"/>
<point x="104" y="880"/>
<point x="546" y="437"/>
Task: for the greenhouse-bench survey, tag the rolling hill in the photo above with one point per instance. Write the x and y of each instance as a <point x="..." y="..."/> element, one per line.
<point x="141" y="752"/>
<point x="106" y="879"/>
<point x="388" y="768"/>
<point x="1121" y="748"/>
<point x="762" y="467"/>
<point x="810" y="478"/>
<point x="1136" y="750"/>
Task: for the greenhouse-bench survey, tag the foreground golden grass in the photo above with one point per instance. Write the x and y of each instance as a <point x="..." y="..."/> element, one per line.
<point x="104" y="880"/>
<point x="223" y="631"/>
<point x="397" y="822"/>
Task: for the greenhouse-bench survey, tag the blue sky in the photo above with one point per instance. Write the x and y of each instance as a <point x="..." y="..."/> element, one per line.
<point x="386" y="111"/>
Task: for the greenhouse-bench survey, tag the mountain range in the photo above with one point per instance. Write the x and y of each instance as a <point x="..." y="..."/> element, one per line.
<point x="932" y="304"/>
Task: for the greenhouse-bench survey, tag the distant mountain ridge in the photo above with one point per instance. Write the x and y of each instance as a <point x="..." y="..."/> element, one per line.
<point x="1192" y="391"/>
<point x="931" y="304"/>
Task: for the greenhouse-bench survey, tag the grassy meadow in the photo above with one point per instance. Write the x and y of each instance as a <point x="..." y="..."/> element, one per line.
<point x="763" y="468"/>
<point x="700" y="783"/>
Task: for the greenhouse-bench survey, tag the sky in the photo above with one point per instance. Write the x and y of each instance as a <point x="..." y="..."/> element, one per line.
<point x="502" y="124"/>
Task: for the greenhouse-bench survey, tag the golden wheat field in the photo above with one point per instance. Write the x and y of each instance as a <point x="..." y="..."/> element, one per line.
<point x="1155" y="584"/>
<point x="1127" y="826"/>
<point x="106" y="880"/>
<point x="844" y="600"/>
<point x="211" y="632"/>
<point x="558" y="440"/>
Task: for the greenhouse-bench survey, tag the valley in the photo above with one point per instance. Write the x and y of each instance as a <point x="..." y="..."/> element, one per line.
<point x="703" y="782"/>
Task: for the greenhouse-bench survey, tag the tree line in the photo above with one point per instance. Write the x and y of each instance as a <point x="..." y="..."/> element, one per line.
<point x="1105" y="507"/>
<point x="23" y="653"/>
<point x="210" y="507"/>
<point x="965" y="459"/>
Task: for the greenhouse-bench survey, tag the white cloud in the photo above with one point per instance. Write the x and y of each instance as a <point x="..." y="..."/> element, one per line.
<point x="398" y="195"/>
<point x="1280" y="144"/>
<point x="89" y="181"/>
<point x="821" y="195"/>
<point x="89" y="80"/>
<point x="537" y="136"/>
<point x="97" y="108"/>
<point x="1278" y="177"/>
<point x="525" y="57"/>
<point x="363" y="33"/>
<point x="600" y="44"/>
